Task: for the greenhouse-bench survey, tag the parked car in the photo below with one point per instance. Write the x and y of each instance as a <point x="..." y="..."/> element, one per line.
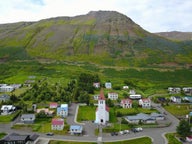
<point x="121" y="132"/>
<point x="126" y="131"/>
<point x="49" y="134"/>
<point x="139" y="129"/>
<point x="114" y="133"/>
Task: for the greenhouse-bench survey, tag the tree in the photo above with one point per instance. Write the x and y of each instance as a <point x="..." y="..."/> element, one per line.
<point x="183" y="129"/>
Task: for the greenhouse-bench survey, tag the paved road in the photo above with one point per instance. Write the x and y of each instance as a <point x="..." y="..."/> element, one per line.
<point x="155" y="133"/>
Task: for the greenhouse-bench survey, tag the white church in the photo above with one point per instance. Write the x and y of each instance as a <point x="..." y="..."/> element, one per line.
<point x="102" y="111"/>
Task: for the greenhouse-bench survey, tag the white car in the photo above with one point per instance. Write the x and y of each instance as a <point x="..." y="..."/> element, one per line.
<point x="126" y="131"/>
<point x="139" y="129"/>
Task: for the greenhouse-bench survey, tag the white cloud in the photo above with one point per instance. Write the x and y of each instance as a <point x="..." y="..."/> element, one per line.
<point x="158" y="15"/>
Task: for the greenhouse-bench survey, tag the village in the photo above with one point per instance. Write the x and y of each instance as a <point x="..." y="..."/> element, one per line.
<point x="55" y="114"/>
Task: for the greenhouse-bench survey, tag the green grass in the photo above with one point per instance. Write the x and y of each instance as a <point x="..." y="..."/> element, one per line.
<point x="8" y="118"/>
<point x="171" y="139"/>
<point x="179" y="110"/>
<point x="143" y="140"/>
<point x="86" y="113"/>
<point x="2" y="134"/>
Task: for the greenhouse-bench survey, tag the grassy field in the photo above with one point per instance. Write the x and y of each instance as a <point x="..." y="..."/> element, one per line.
<point x="179" y="109"/>
<point x="171" y="139"/>
<point x="143" y="140"/>
<point x="8" y="118"/>
<point x="86" y="113"/>
<point x="2" y="134"/>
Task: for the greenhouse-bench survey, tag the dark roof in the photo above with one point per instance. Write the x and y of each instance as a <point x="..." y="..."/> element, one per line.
<point x="15" y="137"/>
<point x="33" y="137"/>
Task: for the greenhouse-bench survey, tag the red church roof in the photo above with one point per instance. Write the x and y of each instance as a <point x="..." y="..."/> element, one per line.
<point x="101" y="96"/>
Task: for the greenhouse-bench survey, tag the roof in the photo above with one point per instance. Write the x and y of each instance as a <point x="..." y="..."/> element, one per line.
<point x="8" y="107"/>
<point x="140" y="116"/>
<point x="33" y="137"/>
<point x="146" y="100"/>
<point x="77" y="127"/>
<point x="58" y="121"/>
<point x="27" y="116"/>
<point x="15" y="137"/>
<point x="101" y="96"/>
<point x="53" y="104"/>
<point x="124" y="101"/>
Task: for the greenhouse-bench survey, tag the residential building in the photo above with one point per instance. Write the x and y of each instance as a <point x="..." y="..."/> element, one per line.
<point x="113" y="95"/>
<point x="28" y="118"/>
<point x="53" y="105"/>
<point x="188" y="99"/>
<point x="187" y="90"/>
<point x="108" y="85"/>
<point x="145" y="103"/>
<point x="7" y="109"/>
<point x="174" y="90"/>
<point x="57" y="124"/>
<point x="175" y="99"/>
<point x="6" y="88"/>
<point x="125" y="87"/>
<point x="135" y="96"/>
<point x="96" y="97"/>
<point x="76" y="129"/>
<point x="14" y="138"/>
<point x="126" y="103"/>
<point x="96" y="85"/>
<point x="62" y="110"/>
<point x="102" y="111"/>
<point x="4" y="98"/>
<point x="46" y="111"/>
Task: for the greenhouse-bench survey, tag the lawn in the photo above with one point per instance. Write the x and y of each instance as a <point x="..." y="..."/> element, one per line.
<point x="179" y="110"/>
<point x="8" y="118"/>
<point x="143" y="140"/>
<point x="133" y="111"/>
<point x="42" y="125"/>
<point x="171" y="139"/>
<point x="86" y="113"/>
<point x="2" y="135"/>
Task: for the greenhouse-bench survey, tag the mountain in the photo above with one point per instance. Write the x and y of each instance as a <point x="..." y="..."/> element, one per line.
<point x="176" y="35"/>
<point x="104" y="37"/>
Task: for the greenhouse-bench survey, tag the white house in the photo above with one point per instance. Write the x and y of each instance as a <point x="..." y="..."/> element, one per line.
<point x="145" y="103"/>
<point x="102" y="111"/>
<point x="62" y="110"/>
<point x="113" y="95"/>
<point x="135" y="96"/>
<point x="6" y="88"/>
<point x="175" y="99"/>
<point x="125" y="87"/>
<point x="173" y="90"/>
<point x="95" y="97"/>
<point x="28" y="118"/>
<point x="7" y="109"/>
<point x="108" y="85"/>
<point x="57" y="124"/>
<point x="132" y="92"/>
<point x="76" y="129"/>
<point x="96" y="84"/>
<point x="126" y="103"/>
<point x="187" y="90"/>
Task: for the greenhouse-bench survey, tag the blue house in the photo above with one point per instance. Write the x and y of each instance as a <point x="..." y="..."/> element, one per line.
<point x="62" y="110"/>
<point x="188" y="98"/>
<point x="76" y="129"/>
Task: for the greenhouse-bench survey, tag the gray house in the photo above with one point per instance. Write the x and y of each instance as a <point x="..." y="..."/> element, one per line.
<point x="28" y="118"/>
<point x="4" y="98"/>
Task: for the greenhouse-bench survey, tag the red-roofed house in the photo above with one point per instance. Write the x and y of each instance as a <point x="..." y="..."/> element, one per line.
<point x="57" y="124"/>
<point x="126" y="103"/>
<point x="189" y="138"/>
<point x="145" y="103"/>
<point x="53" y="105"/>
<point x="102" y="111"/>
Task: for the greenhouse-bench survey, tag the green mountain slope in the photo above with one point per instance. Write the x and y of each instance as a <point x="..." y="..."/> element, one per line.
<point x="104" y="37"/>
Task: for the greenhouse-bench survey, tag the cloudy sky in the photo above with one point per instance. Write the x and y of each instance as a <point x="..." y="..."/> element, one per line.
<point x="152" y="15"/>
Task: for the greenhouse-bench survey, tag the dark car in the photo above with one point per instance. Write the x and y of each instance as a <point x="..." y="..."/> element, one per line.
<point x="182" y="139"/>
<point x="49" y="134"/>
<point x="114" y="133"/>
